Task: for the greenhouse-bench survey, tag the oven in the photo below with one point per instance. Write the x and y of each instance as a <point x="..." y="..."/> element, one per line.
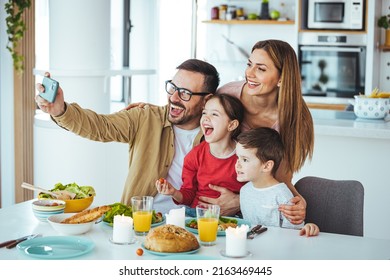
<point x="332" y="64"/>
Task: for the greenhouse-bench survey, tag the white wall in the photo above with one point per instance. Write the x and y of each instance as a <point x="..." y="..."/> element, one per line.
<point x="6" y="117"/>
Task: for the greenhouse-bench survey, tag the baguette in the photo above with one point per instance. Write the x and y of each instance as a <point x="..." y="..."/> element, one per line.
<point x="87" y="216"/>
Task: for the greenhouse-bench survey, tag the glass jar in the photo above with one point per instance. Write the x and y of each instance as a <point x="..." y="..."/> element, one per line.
<point x="239" y="12"/>
<point x="214" y="13"/>
<point x="222" y="12"/>
<point x="231" y="12"/>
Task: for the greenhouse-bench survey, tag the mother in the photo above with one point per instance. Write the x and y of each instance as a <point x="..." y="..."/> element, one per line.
<point x="272" y="97"/>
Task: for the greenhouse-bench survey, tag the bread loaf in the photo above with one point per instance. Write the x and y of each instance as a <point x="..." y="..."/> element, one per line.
<point x="170" y="239"/>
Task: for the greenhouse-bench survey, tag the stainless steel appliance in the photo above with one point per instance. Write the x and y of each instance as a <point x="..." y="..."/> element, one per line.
<point x="335" y="14"/>
<point x="332" y="64"/>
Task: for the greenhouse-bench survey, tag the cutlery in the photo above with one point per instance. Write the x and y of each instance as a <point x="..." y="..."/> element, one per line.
<point x="256" y="231"/>
<point x="63" y="195"/>
<point x="252" y="232"/>
<point x="12" y="243"/>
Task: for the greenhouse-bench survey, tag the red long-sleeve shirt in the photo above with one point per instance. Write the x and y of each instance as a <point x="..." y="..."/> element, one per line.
<point x="201" y="168"/>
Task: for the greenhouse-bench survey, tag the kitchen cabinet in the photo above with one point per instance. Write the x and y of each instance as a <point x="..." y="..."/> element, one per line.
<point x="384" y="48"/>
<point x="383" y="51"/>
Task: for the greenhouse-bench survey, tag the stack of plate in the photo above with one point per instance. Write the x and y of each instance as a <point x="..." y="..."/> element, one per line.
<point x="45" y="208"/>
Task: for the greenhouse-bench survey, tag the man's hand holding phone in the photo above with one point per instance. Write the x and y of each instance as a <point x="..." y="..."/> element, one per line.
<point x="50" y="97"/>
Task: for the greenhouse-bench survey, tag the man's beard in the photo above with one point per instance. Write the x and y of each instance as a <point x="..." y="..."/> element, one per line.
<point x="185" y="118"/>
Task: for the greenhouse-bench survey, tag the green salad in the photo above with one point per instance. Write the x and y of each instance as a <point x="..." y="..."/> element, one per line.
<point x="122" y="209"/>
<point x="221" y="221"/>
<point x="80" y="191"/>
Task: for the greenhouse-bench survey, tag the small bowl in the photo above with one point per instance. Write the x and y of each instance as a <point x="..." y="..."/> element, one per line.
<point x="78" y="205"/>
<point x="48" y="205"/>
<point x="43" y="209"/>
<point x="371" y="108"/>
<point x="68" y="229"/>
<point x="44" y="215"/>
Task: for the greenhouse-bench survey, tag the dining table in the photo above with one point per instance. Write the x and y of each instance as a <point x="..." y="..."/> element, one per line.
<point x="274" y="244"/>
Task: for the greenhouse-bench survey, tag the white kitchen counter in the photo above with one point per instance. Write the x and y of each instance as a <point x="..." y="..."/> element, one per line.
<point x="348" y="148"/>
<point x="345" y="123"/>
<point x="327" y="100"/>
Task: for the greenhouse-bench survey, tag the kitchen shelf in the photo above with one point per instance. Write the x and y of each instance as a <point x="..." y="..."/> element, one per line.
<point x="384" y="48"/>
<point x="249" y="21"/>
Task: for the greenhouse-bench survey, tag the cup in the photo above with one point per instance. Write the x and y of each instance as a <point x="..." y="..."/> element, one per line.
<point x="142" y="214"/>
<point x="207" y="217"/>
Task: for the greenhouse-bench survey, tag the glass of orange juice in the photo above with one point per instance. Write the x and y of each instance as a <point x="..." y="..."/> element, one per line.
<point x="207" y="217"/>
<point x="142" y="207"/>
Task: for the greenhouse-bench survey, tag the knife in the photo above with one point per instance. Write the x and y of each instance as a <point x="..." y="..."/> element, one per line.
<point x="255" y="232"/>
<point x="12" y="243"/>
<point x="252" y="232"/>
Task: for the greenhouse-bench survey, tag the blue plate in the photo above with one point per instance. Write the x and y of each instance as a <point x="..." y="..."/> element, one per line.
<point x="153" y="225"/>
<point x="56" y="247"/>
<point x="219" y="232"/>
<point x="189" y="257"/>
<point x="169" y="254"/>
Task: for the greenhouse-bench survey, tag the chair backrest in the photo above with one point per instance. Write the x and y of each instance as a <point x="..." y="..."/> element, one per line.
<point x="336" y="206"/>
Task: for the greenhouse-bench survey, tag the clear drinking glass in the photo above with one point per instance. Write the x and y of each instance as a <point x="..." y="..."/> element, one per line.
<point x="142" y="214"/>
<point x="207" y="217"/>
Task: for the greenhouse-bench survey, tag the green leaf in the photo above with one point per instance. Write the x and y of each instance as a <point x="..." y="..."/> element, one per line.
<point x="16" y="28"/>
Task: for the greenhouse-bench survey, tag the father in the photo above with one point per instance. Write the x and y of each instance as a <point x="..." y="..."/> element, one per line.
<point x="158" y="137"/>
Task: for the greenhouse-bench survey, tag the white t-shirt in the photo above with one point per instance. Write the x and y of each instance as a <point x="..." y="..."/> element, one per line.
<point x="259" y="206"/>
<point x="184" y="140"/>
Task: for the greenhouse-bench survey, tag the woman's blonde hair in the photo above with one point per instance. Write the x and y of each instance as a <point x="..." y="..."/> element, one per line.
<point x="295" y="121"/>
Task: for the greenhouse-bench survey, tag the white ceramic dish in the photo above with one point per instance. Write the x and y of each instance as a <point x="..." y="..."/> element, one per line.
<point x="48" y="205"/>
<point x="68" y="229"/>
<point x="371" y="108"/>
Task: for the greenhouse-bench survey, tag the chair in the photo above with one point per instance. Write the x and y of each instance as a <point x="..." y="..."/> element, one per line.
<point x="336" y="206"/>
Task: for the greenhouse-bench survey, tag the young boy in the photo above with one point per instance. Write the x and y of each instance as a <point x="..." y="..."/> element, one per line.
<point x="259" y="153"/>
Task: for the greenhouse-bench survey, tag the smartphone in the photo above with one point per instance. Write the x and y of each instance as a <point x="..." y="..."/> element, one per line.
<point x="51" y="87"/>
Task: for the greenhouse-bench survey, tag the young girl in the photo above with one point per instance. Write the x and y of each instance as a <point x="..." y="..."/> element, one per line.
<point x="213" y="160"/>
<point x="259" y="154"/>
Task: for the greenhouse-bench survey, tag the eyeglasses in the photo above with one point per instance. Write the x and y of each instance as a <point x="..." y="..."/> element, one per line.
<point x="184" y="93"/>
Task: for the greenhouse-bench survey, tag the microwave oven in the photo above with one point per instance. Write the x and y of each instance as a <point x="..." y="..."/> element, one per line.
<point x="335" y="14"/>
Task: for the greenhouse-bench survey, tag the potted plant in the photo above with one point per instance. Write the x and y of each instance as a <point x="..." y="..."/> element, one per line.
<point x="384" y="22"/>
<point x="15" y="28"/>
